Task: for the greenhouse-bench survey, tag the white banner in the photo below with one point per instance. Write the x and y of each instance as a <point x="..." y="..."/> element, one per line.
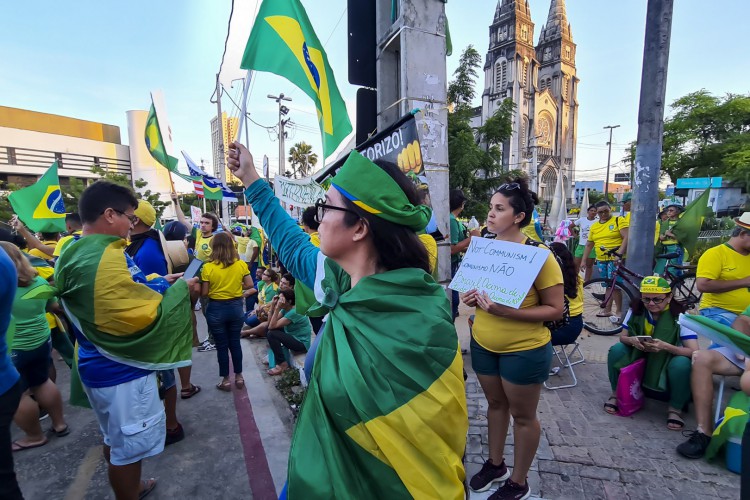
<point x="503" y="269"/>
<point x="298" y="192"/>
<point x="195" y="214"/>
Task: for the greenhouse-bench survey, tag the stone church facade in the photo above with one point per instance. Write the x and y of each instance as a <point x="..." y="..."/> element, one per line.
<point x="541" y="80"/>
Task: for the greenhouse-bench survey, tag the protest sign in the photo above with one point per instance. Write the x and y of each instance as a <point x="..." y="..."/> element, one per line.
<point x="298" y="192"/>
<point x="195" y="214"/>
<point x="503" y="269"/>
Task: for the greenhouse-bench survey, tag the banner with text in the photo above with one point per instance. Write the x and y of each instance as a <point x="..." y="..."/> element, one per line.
<point x="195" y="214"/>
<point x="505" y="270"/>
<point x="298" y="192"/>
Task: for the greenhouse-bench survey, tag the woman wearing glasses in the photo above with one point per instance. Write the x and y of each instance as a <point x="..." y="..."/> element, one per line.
<point x="385" y="411"/>
<point x="651" y="330"/>
<point x="511" y="351"/>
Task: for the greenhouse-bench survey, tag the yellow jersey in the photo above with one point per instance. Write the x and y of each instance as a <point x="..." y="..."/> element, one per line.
<point x="724" y="263"/>
<point x="203" y="246"/>
<point x="502" y="335"/>
<point x="431" y="246"/>
<point x="64" y="242"/>
<point x="575" y="305"/>
<point x="607" y="235"/>
<point x="224" y="283"/>
<point x="43" y="255"/>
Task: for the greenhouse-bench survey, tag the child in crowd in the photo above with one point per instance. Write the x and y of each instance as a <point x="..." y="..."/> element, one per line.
<point x="224" y="278"/>
<point x="286" y="328"/>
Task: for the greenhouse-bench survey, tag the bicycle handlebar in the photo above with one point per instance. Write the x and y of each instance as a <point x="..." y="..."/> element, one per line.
<point x="612" y="251"/>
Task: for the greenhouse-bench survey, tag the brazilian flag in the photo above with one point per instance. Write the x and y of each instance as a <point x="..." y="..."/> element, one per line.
<point x="283" y="42"/>
<point x="385" y="413"/>
<point x="155" y="142"/>
<point x="40" y="206"/>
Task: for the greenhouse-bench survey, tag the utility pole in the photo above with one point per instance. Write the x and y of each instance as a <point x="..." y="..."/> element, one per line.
<point x="222" y="166"/>
<point x="283" y="110"/>
<point x="609" y="159"/>
<point x="650" y="135"/>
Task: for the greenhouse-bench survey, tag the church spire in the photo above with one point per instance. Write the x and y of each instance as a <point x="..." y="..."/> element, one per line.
<point x="505" y="6"/>
<point x="557" y="22"/>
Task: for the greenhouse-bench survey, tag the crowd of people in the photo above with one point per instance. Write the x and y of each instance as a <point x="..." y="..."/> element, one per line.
<point x="352" y="289"/>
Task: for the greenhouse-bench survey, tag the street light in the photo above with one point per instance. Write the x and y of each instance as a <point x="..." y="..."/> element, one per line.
<point x="283" y="110"/>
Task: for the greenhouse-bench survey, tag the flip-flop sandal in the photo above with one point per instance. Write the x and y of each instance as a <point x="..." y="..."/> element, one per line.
<point x="16" y="446"/>
<point x="678" y="422"/>
<point x="226" y="387"/>
<point x="239" y="383"/>
<point x="275" y="371"/>
<point x="190" y="392"/>
<point x="61" y="433"/>
<point x="610" y="406"/>
<point x="604" y="315"/>
<point x="148" y="487"/>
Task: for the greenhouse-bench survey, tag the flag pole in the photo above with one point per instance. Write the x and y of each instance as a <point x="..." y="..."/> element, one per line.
<point x="161" y="141"/>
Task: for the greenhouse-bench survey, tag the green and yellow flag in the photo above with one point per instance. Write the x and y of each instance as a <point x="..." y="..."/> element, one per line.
<point x="385" y="413"/>
<point x="126" y="321"/>
<point x="688" y="227"/>
<point x="283" y="42"/>
<point x="155" y="142"/>
<point x="40" y="206"/>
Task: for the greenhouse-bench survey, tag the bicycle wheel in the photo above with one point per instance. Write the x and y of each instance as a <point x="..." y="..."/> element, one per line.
<point x="685" y="291"/>
<point x="594" y="295"/>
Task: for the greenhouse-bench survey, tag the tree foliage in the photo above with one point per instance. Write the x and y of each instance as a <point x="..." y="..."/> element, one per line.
<point x="302" y="159"/>
<point x="475" y="155"/>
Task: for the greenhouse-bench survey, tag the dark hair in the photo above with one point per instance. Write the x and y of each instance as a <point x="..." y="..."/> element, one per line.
<point x="521" y="198"/>
<point x="603" y="203"/>
<point x="14" y="238"/>
<point x="214" y="220"/>
<point x="397" y="246"/>
<point x="456" y="199"/>
<point x="102" y="195"/>
<point x="191" y="242"/>
<point x="288" y="294"/>
<point x="308" y="218"/>
<point x="423" y="192"/>
<point x="590" y="207"/>
<point x="568" y="267"/>
<point x="289" y="278"/>
<point x="50" y="236"/>
<point x="738" y="230"/>
<point x="175" y="231"/>
<point x="674" y="307"/>
<point x="273" y="274"/>
<point x="73" y="219"/>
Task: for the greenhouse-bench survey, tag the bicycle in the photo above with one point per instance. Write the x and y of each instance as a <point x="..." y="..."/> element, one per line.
<point x="598" y="294"/>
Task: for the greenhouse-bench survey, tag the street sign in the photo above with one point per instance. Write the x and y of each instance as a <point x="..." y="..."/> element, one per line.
<point x="699" y="183"/>
<point x="622" y="177"/>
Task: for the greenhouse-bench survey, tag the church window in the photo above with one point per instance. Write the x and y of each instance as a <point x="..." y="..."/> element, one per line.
<point x="501" y="75"/>
<point x="524" y="131"/>
<point x="524" y="33"/>
<point x="567" y="52"/>
<point x="524" y="70"/>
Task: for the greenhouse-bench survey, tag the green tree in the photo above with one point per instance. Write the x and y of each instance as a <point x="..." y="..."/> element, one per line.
<point x="302" y="159"/>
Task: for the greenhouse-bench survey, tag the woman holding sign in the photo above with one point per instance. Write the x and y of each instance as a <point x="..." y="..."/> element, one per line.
<point x="511" y="351"/>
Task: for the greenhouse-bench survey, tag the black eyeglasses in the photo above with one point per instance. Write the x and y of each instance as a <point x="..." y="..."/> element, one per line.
<point x="653" y="300"/>
<point x="509" y="186"/>
<point x="132" y="218"/>
<point x="321" y="207"/>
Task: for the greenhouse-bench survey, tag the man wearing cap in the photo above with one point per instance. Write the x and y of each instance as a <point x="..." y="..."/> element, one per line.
<point x="723" y="277"/>
<point x="146" y="250"/>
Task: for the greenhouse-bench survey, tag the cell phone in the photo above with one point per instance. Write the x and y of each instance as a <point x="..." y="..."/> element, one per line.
<point x="644" y="338"/>
<point x="193" y="268"/>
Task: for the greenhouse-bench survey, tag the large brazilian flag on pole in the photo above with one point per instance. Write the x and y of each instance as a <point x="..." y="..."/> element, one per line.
<point x="385" y="413"/>
<point x="283" y="42"/>
<point x="40" y="206"/>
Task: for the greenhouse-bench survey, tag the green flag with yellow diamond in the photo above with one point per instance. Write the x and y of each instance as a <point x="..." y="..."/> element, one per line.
<point x="40" y="206"/>
<point x="155" y="142"/>
<point x="283" y="42"/>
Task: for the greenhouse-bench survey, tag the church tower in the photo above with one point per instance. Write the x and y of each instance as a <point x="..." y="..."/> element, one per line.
<point x="542" y="83"/>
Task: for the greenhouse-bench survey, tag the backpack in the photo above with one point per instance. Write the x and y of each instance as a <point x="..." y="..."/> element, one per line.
<point x="559" y="323"/>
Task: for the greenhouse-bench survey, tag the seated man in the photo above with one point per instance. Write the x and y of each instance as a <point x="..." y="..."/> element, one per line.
<point x="286" y="328"/>
<point x="723" y="277"/>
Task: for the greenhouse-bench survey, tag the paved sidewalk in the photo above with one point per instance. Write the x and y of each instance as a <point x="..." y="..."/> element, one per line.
<point x="586" y="453"/>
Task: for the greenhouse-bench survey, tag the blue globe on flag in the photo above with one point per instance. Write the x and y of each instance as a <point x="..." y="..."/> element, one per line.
<point x="55" y="202"/>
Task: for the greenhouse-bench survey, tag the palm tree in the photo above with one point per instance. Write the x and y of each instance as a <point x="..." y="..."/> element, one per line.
<point x="302" y="158"/>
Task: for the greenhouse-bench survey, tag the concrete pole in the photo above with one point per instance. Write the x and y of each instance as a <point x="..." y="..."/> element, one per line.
<point x="650" y="132"/>
<point x="411" y="73"/>
<point x="222" y="167"/>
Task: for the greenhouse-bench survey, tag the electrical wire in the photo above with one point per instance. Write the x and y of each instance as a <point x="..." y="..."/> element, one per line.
<point x="226" y="43"/>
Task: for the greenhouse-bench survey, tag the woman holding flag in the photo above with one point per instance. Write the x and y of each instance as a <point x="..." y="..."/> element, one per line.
<point x="385" y="412"/>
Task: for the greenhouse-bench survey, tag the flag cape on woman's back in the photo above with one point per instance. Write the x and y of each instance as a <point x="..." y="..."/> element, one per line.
<point x="385" y="413"/>
<point x="126" y="321"/>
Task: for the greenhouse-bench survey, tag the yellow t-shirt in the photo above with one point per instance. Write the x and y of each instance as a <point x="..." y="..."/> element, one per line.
<point x="503" y="335"/>
<point x="248" y="255"/>
<point x="575" y="305"/>
<point x="431" y="246"/>
<point x="241" y="244"/>
<point x="607" y="235"/>
<point x="42" y="255"/>
<point x="315" y="239"/>
<point x="203" y="246"/>
<point x="724" y="263"/>
<point x="63" y="242"/>
<point x="530" y="231"/>
<point x="224" y="282"/>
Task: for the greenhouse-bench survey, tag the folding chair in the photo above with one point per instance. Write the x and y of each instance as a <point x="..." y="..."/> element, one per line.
<point x="567" y="363"/>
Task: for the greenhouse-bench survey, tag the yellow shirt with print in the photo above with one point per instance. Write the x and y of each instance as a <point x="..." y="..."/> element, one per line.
<point x="575" y="305"/>
<point x="203" y="246"/>
<point x="724" y="263"/>
<point x="431" y="246"/>
<point x="607" y="235"/>
<point x="656" y="231"/>
<point x="224" y="283"/>
<point x="241" y="244"/>
<point x="502" y="335"/>
<point x="63" y="242"/>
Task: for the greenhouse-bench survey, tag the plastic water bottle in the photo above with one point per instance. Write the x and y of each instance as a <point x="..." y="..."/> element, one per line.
<point x="473" y="224"/>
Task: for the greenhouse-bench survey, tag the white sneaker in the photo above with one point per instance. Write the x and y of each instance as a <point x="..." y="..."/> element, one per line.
<point x="206" y="346"/>
<point x="615" y="319"/>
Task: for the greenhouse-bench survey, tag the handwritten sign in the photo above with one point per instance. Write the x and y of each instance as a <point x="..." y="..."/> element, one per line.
<point x="503" y="269"/>
<point x="298" y="192"/>
<point x="195" y="214"/>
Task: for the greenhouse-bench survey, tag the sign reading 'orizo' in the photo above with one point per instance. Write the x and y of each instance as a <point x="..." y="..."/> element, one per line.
<point x="503" y="269"/>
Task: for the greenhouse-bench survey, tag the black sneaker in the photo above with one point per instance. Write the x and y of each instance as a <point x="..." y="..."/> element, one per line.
<point x="490" y="473"/>
<point x="512" y="491"/>
<point x="695" y="446"/>
<point x="175" y="435"/>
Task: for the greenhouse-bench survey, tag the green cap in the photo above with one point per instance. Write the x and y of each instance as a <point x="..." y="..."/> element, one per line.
<point x="627" y="196"/>
<point x="370" y="188"/>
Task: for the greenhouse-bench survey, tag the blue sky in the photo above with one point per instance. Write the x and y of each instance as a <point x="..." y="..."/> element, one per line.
<point x="95" y="60"/>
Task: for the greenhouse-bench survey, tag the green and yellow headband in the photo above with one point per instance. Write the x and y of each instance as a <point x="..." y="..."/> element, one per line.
<point x="370" y="188"/>
<point x="655" y="284"/>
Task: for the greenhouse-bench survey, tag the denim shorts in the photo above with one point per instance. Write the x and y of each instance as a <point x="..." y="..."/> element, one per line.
<point x="131" y="419"/>
<point x="33" y="365"/>
<point x="520" y="368"/>
<point x="726" y="318"/>
<point x="167" y="379"/>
